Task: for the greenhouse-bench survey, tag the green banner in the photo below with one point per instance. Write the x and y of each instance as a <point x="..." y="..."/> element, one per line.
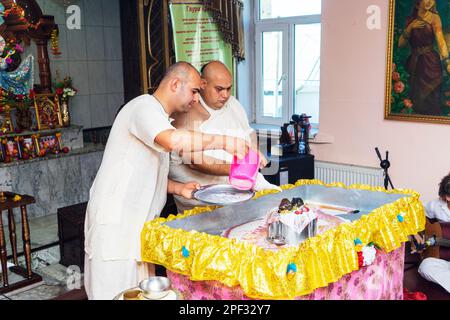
<point x="196" y="37"/>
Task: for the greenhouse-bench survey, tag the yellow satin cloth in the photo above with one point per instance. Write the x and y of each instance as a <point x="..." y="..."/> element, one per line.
<point x="262" y="274"/>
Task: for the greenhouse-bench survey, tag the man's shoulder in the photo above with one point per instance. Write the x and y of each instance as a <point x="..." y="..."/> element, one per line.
<point x="189" y="120"/>
<point x="232" y="99"/>
<point x="147" y="99"/>
<point x="236" y="107"/>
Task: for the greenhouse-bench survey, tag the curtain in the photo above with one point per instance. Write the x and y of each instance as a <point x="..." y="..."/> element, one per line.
<point x="228" y="15"/>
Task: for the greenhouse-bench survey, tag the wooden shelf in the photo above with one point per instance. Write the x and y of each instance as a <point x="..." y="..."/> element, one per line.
<point x="41" y="132"/>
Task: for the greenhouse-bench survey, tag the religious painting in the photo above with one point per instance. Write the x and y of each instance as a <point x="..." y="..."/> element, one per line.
<point x="48" y="113"/>
<point x="418" y="61"/>
<point x="6" y="124"/>
<point x="28" y="147"/>
<point x="48" y="144"/>
<point x="11" y="149"/>
<point x="2" y="152"/>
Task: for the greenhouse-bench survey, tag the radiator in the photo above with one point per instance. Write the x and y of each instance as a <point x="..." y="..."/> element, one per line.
<point x="330" y="172"/>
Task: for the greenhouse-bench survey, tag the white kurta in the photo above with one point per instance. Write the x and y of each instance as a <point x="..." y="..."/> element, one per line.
<point x="229" y="120"/>
<point x="437" y="271"/>
<point x="438" y="209"/>
<point x="433" y="269"/>
<point x="129" y="189"/>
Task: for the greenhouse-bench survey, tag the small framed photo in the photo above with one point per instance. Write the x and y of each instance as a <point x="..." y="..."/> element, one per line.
<point x="48" y="113"/>
<point x="11" y="149"/>
<point x="28" y="147"/>
<point x="48" y="144"/>
<point x="6" y="124"/>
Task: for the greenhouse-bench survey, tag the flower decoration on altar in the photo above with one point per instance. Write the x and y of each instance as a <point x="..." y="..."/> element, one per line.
<point x="8" y="97"/>
<point x="64" y="88"/>
<point x="16" y="10"/>
<point x="367" y="254"/>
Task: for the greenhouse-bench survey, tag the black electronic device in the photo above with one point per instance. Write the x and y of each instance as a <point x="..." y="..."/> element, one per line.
<point x="295" y="135"/>
<point x="385" y="164"/>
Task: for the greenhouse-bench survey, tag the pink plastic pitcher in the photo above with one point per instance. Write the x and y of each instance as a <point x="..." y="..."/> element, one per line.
<point x="243" y="172"/>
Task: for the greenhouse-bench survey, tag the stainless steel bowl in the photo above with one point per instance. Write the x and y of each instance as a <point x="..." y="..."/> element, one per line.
<point x="281" y="234"/>
<point x="155" y="287"/>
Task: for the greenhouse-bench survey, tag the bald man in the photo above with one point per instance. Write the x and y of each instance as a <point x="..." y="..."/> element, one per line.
<point x="217" y="112"/>
<point x="132" y="182"/>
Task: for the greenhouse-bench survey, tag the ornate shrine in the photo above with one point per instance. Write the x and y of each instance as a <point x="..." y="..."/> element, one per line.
<point x="27" y="108"/>
<point x="35" y="129"/>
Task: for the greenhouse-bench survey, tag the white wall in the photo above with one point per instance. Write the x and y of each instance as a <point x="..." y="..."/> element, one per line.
<point x="92" y="56"/>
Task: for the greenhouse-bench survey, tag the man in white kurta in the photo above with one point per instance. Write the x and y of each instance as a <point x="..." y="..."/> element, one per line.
<point x="129" y="189"/>
<point x="132" y="182"/>
<point x="217" y="112"/>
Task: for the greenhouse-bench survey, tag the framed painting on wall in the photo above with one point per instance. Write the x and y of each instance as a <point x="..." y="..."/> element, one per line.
<point x="418" y="61"/>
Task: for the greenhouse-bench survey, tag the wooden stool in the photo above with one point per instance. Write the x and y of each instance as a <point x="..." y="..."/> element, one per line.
<point x="7" y="203"/>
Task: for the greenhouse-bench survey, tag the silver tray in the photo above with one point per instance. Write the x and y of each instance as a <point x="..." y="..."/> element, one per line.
<point x="222" y="194"/>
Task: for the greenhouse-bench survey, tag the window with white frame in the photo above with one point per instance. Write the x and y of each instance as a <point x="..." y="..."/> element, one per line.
<point x="287" y="59"/>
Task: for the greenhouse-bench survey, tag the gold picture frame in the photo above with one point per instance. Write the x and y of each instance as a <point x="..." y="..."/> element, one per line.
<point x="418" y="90"/>
<point x="6" y="124"/>
<point x="48" y="111"/>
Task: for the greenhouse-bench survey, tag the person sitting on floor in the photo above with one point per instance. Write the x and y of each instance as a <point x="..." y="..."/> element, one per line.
<point x="434" y="269"/>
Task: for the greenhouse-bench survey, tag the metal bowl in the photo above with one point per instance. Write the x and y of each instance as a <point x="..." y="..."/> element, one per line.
<point x="222" y="194"/>
<point x="281" y="234"/>
<point x="155" y="287"/>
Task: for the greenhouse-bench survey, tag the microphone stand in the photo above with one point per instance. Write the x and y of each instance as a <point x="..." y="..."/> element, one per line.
<point x="385" y="164"/>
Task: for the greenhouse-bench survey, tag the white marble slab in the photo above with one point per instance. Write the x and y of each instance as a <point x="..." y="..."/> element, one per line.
<point x="41" y="292"/>
<point x="55" y="181"/>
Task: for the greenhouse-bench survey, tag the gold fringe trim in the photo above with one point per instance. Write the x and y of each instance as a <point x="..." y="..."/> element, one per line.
<point x="260" y="273"/>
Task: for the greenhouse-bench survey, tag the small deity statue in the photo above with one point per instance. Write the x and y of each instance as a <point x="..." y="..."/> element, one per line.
<point x="285" y="205"/>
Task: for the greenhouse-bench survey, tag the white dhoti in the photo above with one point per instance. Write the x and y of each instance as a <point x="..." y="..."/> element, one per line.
<point x="437" y="271"/>
<point x="129" y="189"/>
<point x="113" y="276"/>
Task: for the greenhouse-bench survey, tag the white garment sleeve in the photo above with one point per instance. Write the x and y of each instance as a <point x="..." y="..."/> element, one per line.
<point x="147" y="122"/>
<point x="242" y="115"/>
<point x="429" y="211"/>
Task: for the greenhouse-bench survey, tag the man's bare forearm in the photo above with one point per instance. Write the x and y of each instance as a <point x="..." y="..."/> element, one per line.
<point x="174" y="187"/>
<point x="212" y="169"/>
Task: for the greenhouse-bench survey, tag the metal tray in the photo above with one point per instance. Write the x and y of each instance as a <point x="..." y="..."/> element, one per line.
<point x="222" y="194"/>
